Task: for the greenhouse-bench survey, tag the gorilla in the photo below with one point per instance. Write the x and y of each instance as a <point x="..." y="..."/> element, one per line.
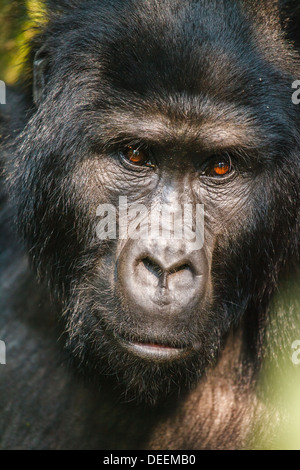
<point x="149" y="342"/>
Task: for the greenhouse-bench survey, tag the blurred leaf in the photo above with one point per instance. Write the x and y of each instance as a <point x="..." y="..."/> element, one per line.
<point x="17" y="19"/>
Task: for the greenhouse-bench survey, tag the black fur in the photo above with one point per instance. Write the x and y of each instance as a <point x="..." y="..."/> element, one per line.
<point x="113" y="70"/>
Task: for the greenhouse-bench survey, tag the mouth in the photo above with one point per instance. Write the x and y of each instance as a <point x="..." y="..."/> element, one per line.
<point x="155" y="351"/>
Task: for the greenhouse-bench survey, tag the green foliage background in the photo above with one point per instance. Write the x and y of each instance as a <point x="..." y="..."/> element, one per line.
<point x="16" y="21"/>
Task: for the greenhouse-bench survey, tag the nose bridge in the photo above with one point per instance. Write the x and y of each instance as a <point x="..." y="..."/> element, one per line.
<point x="164" y="273"/>
<point x="175" y="216"/>
<point x="175" y="191"/>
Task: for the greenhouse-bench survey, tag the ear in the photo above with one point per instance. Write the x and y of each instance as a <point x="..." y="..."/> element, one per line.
<point x="290" y="16"/>
<point x="40" y="68"/>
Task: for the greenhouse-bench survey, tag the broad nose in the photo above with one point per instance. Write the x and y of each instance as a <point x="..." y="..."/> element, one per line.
<point x="162" y="278"/>
<point x="156" y="272"/>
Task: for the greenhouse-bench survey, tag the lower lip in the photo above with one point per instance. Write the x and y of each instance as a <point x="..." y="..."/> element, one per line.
<point x="155" y="351"/>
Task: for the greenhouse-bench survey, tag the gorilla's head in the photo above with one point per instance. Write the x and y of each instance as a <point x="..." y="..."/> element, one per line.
<point x="150" y="128"/>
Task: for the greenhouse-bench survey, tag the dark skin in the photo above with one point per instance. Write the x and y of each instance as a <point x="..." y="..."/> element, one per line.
<point x="159" y="345"/>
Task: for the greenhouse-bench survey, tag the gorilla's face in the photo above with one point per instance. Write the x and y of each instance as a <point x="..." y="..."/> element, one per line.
<point x="147" y="185"/>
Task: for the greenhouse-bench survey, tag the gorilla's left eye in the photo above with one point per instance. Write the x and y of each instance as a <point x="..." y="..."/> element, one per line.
<point x="137" y="156"/>
<point x="218" y="167"/>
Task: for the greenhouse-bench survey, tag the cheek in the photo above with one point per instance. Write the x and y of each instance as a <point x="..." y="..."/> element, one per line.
<point x="227" y="208"/>
<point x="92" y="185"/>
<point x="103" y="180"/>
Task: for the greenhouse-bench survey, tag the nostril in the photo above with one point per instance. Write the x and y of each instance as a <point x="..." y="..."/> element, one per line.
<point x="158" y="271"/>
<point x="178" y="272"/>
<point x="152" y="267"/>
<point x="182" y="267"/>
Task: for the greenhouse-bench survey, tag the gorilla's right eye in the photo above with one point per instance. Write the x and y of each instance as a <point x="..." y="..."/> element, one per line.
<point x="218" y="167"/>
<point x="137" y="157"/>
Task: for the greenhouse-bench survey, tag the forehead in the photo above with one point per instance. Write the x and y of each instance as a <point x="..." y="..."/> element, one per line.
<point x="180" y="69"/>
<point x="186" y="55"/>
<point x="198" y="64"/>
<point x="181" y="46"/>
<point x="151" y="46"/>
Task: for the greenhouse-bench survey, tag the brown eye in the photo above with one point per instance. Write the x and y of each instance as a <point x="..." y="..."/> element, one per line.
<point x="135" y="155"/>
<point x="221" y="166"/>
